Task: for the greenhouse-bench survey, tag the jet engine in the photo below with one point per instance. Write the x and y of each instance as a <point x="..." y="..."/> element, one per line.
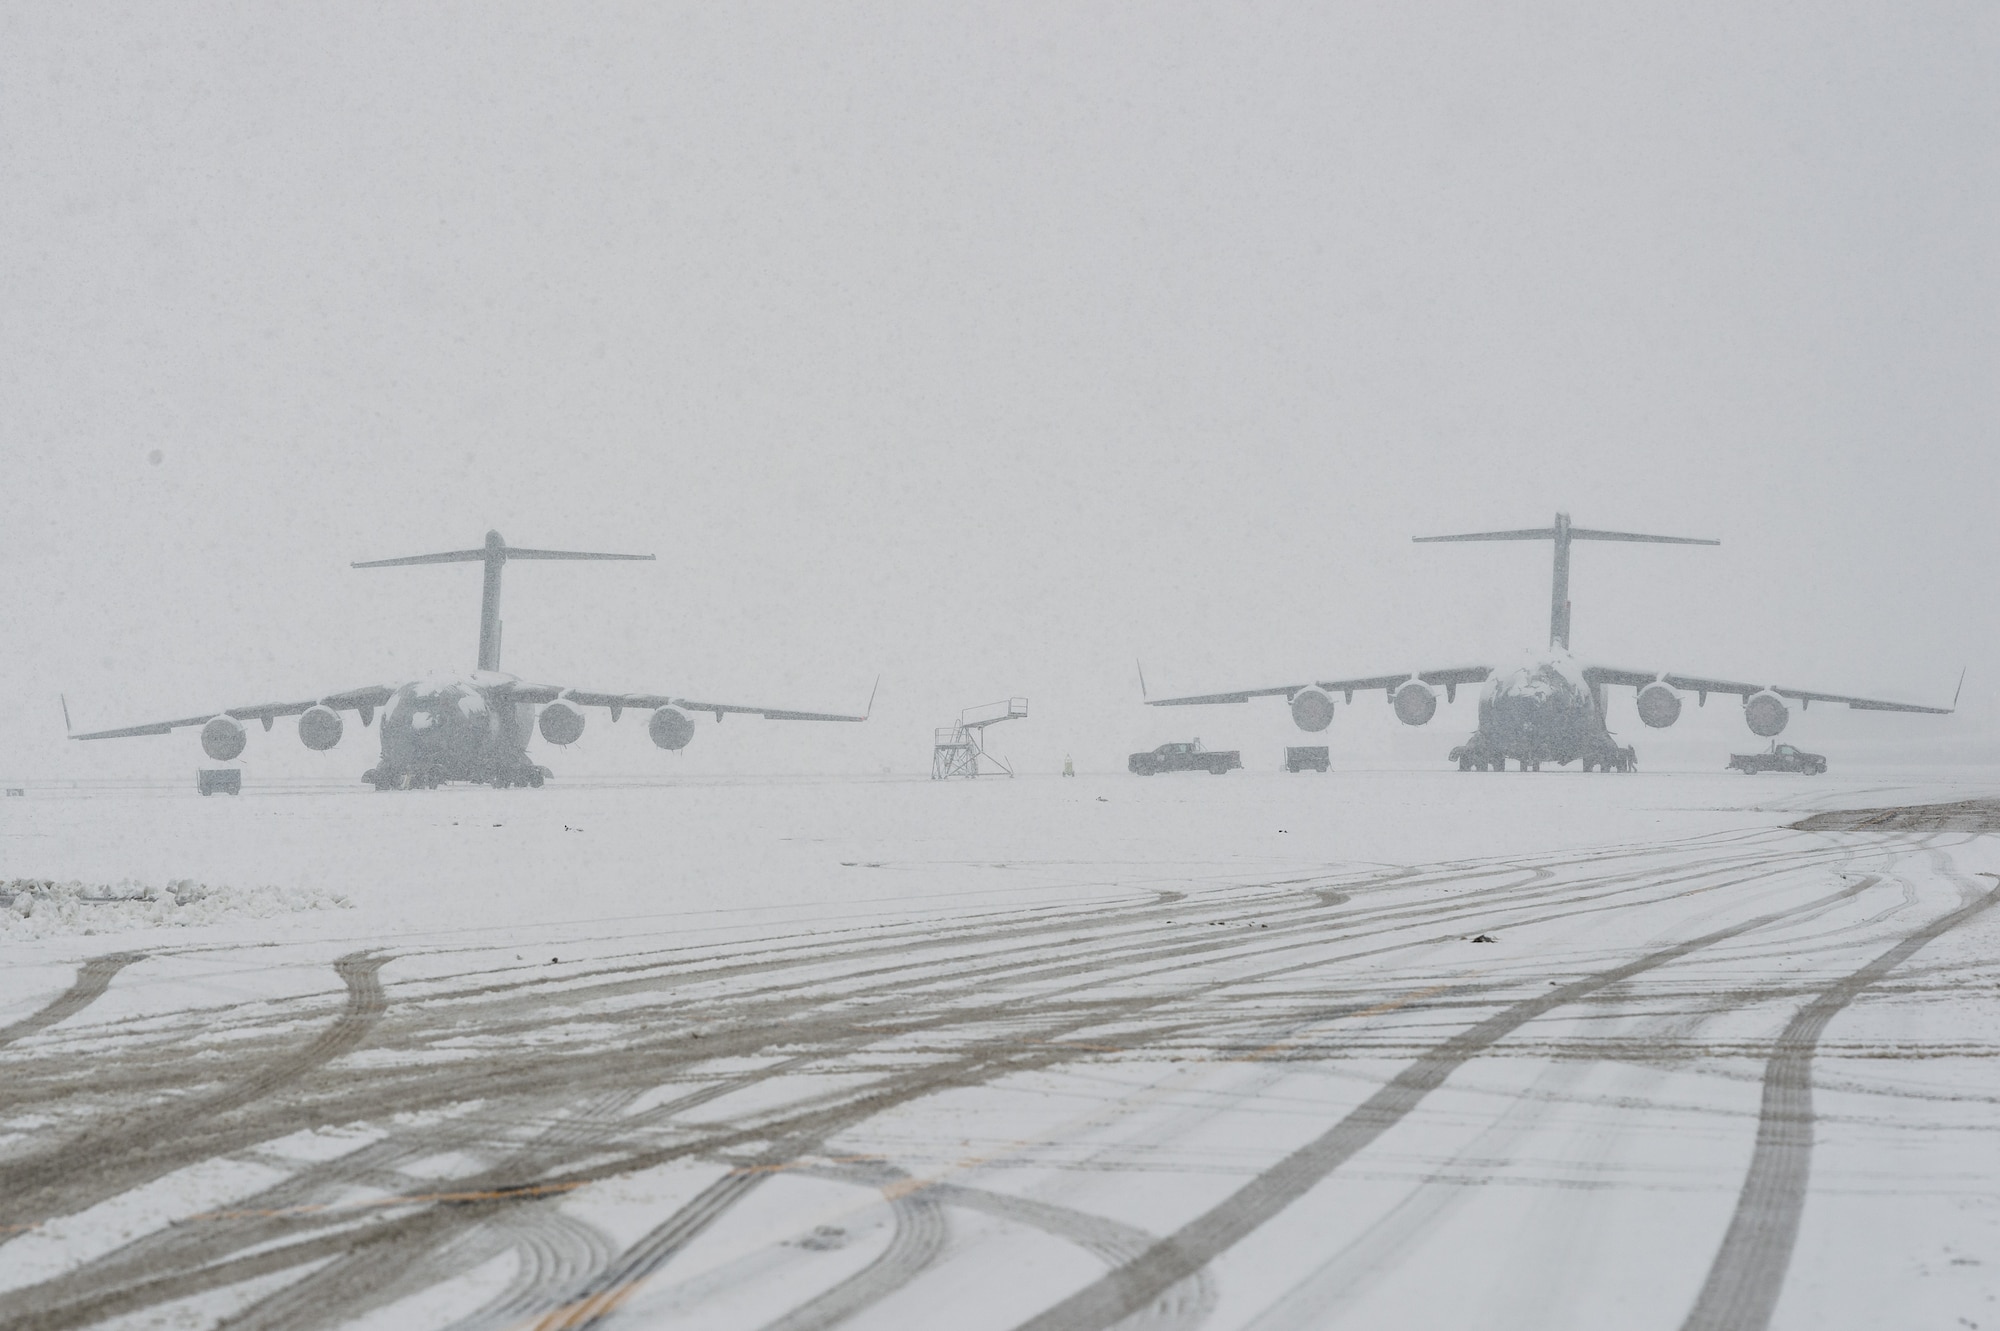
<point x="320" y="727"/>
<point x="1415" y="703"/>
<point x="222" y="738"/>
<point x="1766" y="713"/>
<point x="562" y="722"/>
<point x="1312" y="710"/>
<point x="1659" y="705"/>
<point x="670" y="728"/>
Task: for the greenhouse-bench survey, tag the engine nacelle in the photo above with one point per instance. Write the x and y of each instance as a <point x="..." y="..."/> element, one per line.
<point x="1659" y="706"/>
<point x="1415" y="703"/>
<point x="1312" y="710"/>
<point x="222" y="738"/>
<point x="670" y="728"/>
<point x="1766" y="713"/>
<point x="320" y="728"/>
<point x="562" y="723"/>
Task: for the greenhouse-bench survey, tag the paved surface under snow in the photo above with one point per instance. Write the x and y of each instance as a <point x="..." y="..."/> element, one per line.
<point x="1050" y="1054"/>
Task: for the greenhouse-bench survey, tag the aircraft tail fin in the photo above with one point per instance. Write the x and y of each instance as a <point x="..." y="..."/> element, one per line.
<point x="494" y="554"/>
<point x="1561" y="535"/>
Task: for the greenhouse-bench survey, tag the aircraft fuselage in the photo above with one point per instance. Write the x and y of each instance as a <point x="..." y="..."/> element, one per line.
<point x="1541" y="711"/>
<point x="456" y="728"/>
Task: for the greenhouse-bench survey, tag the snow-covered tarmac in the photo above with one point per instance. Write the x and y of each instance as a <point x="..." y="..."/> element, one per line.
<point x="1047" y="1053"/>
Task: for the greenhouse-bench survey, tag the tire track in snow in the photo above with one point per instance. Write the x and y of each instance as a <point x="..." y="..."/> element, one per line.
<point x="602" y="1297"/>
<point x="1131" y="1287"/>
<point x="117" y="1157"/>
<point x="954" y="1020"/>
<point x="1743" y="1283"/>
<point x="918" y="1242"/>
<point x="360" y="972"/>
<point x="92" y="979"/>
<point x="1180" y="1307"/>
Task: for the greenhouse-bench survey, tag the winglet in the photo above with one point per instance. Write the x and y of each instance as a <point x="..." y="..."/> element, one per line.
<point x="69" y="729"/>
<point x="1142" y="676"/>
<point x="1960" y="689"/>
<point x="869" y="710"/>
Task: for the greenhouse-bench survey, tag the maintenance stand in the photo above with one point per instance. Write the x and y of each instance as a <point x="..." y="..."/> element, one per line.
<point x="957" y="750"/>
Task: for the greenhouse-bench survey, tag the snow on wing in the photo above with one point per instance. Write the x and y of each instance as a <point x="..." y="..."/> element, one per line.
<point x="353" y="700"/>
<point x="1698" y="684"/>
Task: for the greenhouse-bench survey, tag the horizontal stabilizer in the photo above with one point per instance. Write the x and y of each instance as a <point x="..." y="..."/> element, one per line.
<point x="448" y="557"/>
<point x="488" y="552"/>
<point x="494" y="554"/>
<point x="516" y="552"/>
<point x="1575" y="534"/>
<point x="1534" y="534"/>
<point x="1586" y="534"/>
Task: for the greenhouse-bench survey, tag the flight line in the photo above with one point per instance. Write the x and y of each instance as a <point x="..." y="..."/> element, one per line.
<point x="476" y="726"/>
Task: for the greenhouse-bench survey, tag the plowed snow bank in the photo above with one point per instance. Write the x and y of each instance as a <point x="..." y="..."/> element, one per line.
<point x="41" y="908"/>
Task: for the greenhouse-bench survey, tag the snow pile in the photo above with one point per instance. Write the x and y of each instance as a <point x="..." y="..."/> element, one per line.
<point x="40" y="908"/>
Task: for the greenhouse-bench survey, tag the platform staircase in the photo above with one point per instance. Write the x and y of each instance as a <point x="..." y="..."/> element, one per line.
<point x="960" y="750"/>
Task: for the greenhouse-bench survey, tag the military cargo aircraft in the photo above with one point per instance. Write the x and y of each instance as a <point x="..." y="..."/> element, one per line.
<point x="468" y="727"/>
<point x="1549" y="707"/>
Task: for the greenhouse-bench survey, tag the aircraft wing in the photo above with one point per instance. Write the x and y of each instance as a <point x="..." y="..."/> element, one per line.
<point x="364" y="700"/>
<point x="1703" y="687"/>
<point x="618" y="702"/>
<point x="1450" y="679"/>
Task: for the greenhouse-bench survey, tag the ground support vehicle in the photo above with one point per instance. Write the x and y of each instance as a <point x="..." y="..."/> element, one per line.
<point x="1184" y="757"/>
<point x="218" y="781"/>
<point x="1306" y="758"/>
<point x="1778" y="758"/>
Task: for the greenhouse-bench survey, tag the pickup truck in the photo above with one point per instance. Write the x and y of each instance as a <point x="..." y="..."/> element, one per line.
<point x="1185" y="757"/>
<point x="1780" y="758"/>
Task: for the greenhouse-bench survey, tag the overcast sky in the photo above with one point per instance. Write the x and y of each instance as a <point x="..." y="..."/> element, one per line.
<point x="989" y="348"/>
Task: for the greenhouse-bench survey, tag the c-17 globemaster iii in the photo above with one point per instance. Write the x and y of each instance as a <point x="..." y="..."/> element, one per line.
<point x="467" y="727"/>
<point x="1550" y="708"/>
